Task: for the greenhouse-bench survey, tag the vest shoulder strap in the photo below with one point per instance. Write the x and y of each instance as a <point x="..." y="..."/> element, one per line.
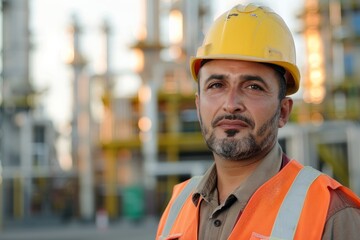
<point x="178" y="204"/>
<point x="289" y="213"/>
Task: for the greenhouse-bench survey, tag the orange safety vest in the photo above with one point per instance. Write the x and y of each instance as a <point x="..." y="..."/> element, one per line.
<point x="271" y="211"/>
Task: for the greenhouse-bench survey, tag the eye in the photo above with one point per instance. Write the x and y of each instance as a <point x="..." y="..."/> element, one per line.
<point x="215" y="85"/>
<point x="255" y="87"/>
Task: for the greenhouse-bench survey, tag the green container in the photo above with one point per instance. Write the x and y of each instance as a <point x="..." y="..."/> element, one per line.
<point x="133" y="202"/>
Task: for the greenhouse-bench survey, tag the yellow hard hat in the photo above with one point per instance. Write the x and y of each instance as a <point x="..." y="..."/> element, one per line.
<point x="250" y="33"/>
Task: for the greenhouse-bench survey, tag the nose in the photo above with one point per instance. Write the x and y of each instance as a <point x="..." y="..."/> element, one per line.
<point x="233" y="102"/>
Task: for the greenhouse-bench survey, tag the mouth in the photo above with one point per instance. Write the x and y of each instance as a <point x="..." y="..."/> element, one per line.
<point x="231" y="125"/>
<point x="227" y="124"/>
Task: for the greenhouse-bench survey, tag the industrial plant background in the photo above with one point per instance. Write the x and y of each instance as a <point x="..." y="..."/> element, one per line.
<point x="97" y="106"/>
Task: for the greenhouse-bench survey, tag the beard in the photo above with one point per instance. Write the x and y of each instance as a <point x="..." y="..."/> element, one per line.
<point x="247" y="147"/>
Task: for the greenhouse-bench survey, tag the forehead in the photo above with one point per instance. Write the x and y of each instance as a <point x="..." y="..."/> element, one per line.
<point x="236" y="67"/>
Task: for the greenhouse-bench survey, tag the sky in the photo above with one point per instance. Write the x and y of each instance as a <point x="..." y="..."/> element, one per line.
<point x="49" y="23"/>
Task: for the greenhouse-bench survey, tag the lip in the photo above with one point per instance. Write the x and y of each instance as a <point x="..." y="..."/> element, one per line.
<point x="231" y="124"/>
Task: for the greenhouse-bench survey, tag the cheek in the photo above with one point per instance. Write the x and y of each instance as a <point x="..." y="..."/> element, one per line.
<point x="263" y="114"/>
<point x="206" y="112"/>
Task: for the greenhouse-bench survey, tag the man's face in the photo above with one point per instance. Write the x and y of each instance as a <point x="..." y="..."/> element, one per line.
<point x="239" y="109"/>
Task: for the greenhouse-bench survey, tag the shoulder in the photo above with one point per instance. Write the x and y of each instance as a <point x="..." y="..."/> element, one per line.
<point x="178" y="188"/>
<point x="343" y="218"/>
<point x="187" y="186"/>
<point x="340" y="201"/>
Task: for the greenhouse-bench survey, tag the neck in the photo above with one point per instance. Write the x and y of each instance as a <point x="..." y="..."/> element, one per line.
<point x="231" y="174"/>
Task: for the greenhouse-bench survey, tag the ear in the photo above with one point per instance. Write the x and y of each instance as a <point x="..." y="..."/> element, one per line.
<point x="197" y="102"/>
<point x="285" y="110"/>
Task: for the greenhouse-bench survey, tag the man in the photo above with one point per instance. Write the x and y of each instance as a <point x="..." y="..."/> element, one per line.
<point x="245" y="70"/>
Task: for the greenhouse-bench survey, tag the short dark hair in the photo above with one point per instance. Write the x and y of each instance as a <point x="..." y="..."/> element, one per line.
<point x="280" y="74"/>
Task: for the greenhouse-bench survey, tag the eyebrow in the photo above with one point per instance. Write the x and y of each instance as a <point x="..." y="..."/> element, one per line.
<point x="215" y="76"/>
<point x="253" y="77"/>
<point x="245" y="77"/>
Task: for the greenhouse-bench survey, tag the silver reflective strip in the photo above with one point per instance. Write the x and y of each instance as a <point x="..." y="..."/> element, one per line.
<point x="178" y="204"/>
<point x="290" y="209"/>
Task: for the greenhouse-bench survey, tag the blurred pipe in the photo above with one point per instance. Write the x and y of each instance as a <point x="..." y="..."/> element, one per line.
<point x="353" y="139"/>
<point x="1" y="206"/>
<point x="152" y="21"/>
<point x="81" y="143"/>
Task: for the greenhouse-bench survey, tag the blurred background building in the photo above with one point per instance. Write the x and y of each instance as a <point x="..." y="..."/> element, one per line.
<point x="129" y="128"/>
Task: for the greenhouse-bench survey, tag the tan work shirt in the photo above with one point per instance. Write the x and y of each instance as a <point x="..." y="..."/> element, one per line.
<point x="217" y="220"/>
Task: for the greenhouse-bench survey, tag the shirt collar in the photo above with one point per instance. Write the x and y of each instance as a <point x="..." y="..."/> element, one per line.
<point x="268" y="167"/>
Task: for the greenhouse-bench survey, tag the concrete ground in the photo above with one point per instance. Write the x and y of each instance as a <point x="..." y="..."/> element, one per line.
<point x="146" y="229"/>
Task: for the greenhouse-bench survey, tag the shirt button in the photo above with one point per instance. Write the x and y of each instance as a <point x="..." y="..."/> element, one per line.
<point x="217" y="223"/>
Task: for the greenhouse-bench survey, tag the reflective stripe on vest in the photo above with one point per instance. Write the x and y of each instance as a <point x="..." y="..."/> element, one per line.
<point x="178" y="204"/>
<point x="288" y="215"/>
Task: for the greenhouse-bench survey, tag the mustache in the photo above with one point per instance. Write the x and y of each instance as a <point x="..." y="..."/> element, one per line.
<point x="247" y="120"/>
